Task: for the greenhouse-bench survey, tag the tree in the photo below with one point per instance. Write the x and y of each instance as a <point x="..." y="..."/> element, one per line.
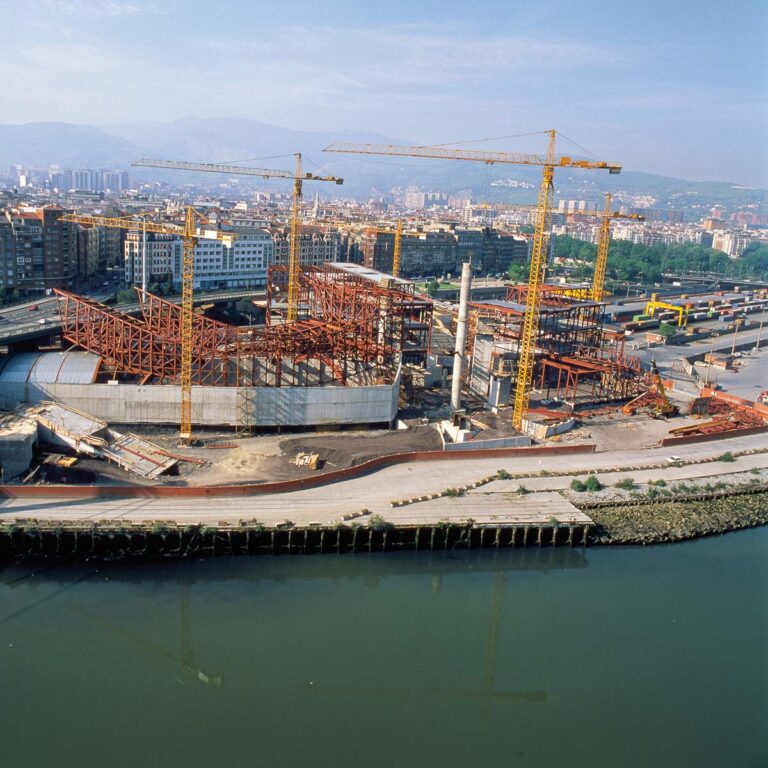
<point x="666" y="330"/>
<point x="126" y="296"/>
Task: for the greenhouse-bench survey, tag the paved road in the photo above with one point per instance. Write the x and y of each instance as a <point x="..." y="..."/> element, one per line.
<point x="22" y="322"/>
<point x="375" y="491"/>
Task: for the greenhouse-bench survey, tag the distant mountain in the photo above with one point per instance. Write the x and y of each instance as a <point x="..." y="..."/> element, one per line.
<point x="217" y="140"/>
<point x="41" y="144"/>
<point x="233" y="139"/>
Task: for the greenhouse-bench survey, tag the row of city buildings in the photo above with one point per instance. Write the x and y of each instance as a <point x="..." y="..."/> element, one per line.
<point x="57" y="179"/>
<point x="39" y="251"/>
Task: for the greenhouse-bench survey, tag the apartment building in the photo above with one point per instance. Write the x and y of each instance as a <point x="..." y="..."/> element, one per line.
<point x="243" y="264"/>
<point x="37" y="251"/>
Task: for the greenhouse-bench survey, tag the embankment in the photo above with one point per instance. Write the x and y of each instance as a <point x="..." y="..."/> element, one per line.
<point x="660" y="520"/>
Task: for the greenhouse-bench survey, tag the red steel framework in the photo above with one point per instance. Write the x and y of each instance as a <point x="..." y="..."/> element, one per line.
<point x="350" y="330"/>
<point x="390" y="321"/>
<point x="575" y="356"/>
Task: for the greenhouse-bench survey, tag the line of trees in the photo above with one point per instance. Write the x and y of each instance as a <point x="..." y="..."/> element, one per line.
<point x="632" y="261"/>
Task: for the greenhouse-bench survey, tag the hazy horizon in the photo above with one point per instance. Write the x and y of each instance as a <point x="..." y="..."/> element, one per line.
<point x="661" y="89"/>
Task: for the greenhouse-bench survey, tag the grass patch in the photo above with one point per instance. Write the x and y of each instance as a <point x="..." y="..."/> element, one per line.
<point x="578" y="485"/>
<point x="502" y="474"/>
<point x="453" y="493"/>
<point x="727" y="457"/>
<point x="661" y="483"/>
<point x="626" y="484"/>
<point x="378" y="523"/>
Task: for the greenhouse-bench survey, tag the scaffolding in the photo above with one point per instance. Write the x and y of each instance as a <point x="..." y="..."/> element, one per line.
<point x="575" y="359"/>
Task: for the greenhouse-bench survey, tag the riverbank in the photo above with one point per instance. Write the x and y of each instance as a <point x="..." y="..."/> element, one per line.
<point x="658" y="521"/>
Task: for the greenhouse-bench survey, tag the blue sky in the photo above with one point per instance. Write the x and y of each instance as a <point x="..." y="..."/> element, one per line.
<point x="675" y="87"/>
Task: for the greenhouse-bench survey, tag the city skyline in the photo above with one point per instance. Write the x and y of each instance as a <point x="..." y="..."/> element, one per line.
<point x="659" y="89"/>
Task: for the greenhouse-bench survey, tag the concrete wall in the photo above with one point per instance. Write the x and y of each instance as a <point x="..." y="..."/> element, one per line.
<point x="543" y="431"/>
<point x="483" y="445"/>
<point x="216" y="406"/>
<point x="16" y="447"/>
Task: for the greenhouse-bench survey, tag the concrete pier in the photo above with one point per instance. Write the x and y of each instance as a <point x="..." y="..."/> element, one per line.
<point x="116" y="540"/>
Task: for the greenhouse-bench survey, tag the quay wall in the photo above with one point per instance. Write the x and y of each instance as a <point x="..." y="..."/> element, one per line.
<point x="119" y="540"/>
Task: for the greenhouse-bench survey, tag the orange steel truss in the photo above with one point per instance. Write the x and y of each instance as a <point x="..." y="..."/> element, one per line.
<point x="594" y="373"/>
<point x="388" y="321"/>
<point x="350" y="330"/>
<point x="572" y="359"/>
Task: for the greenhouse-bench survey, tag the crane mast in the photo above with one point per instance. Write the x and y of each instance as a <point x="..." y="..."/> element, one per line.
<point x="396" y="252"/>
<point x="187" y="305"/>
<point x="297" y="176"/>
<point x="189" y="236"/>
<point x="294" y="255"/>
<point x="549" y="162"/>
<point x="527" y="345"/>
<point x="601" y="261"/>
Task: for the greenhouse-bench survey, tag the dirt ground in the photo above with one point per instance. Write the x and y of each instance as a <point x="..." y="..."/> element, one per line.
<point x="618" y="431"/>
<point x="269" y="458"/>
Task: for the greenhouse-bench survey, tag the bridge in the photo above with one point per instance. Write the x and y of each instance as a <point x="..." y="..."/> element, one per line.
<point x="39" y="319"/>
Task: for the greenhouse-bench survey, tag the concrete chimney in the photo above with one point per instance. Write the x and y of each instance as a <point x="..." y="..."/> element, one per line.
<point x="461" y="336"/>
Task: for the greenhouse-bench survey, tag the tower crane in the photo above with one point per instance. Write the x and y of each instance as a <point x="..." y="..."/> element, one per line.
<point x="548" y="163"/>
<point x="604" y="239"/>
<point x="396" y="250"/>
<point x="397" y="245"/>
<point x="297" y="176"/>
<point x="597" y="291"/>
<point x="188" y="232"/>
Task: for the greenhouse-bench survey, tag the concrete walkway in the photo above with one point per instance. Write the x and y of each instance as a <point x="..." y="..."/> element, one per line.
<point x="374" y="492"/>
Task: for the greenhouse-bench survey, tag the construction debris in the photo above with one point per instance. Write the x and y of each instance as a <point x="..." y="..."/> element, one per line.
<point x="61" y="425"/>
<point x="309" y="460"/>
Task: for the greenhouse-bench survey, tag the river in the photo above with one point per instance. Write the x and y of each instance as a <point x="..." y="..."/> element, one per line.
<point x="623" y="656"/>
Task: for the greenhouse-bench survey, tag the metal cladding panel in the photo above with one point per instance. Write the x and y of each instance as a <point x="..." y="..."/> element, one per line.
<point x="46" y="367"/>
<point x="18" y="367"/>
<point x="78" y="368"/>
<point x="50" y="368"/>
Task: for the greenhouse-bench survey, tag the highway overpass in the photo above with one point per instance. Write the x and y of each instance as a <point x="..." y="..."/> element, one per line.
<point x="36" y="320"/>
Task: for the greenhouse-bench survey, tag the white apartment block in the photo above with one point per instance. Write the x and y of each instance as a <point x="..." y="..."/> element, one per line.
<point x="732" y="243"/>
<point x="243" y="264"/>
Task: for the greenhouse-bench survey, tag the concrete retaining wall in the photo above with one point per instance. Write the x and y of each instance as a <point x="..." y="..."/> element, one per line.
<point x="216" y="406"/>
<point x="16" y="448"/>
<point x="482" y="445"/>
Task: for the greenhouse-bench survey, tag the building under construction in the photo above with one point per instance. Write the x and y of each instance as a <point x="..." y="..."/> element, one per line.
<point x="339" y="363"/>
<point x="577" y="360"/>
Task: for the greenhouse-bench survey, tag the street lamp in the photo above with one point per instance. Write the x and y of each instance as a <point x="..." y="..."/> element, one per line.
<point x="736" y="324"/>
<point x="759" y="331"/>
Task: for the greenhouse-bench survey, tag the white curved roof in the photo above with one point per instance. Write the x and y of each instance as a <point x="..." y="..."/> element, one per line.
<point x="50" y="368"/>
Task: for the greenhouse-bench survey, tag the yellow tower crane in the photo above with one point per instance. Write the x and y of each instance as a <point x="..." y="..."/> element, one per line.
<point x="603" y="241"/>
<point x="189" y="235"/>
<point x="298" y="177"/>
<point x="542" y="228"/>
<point x="397" y="245"/>
<point x="597" y="291"/>
<point x="396" y="251"/>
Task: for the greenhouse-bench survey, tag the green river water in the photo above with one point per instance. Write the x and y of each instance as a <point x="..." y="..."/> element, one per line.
<point x="622" y="656"/>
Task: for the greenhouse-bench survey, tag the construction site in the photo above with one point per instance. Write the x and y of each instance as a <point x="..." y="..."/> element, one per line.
<point x="347" y="346"/>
